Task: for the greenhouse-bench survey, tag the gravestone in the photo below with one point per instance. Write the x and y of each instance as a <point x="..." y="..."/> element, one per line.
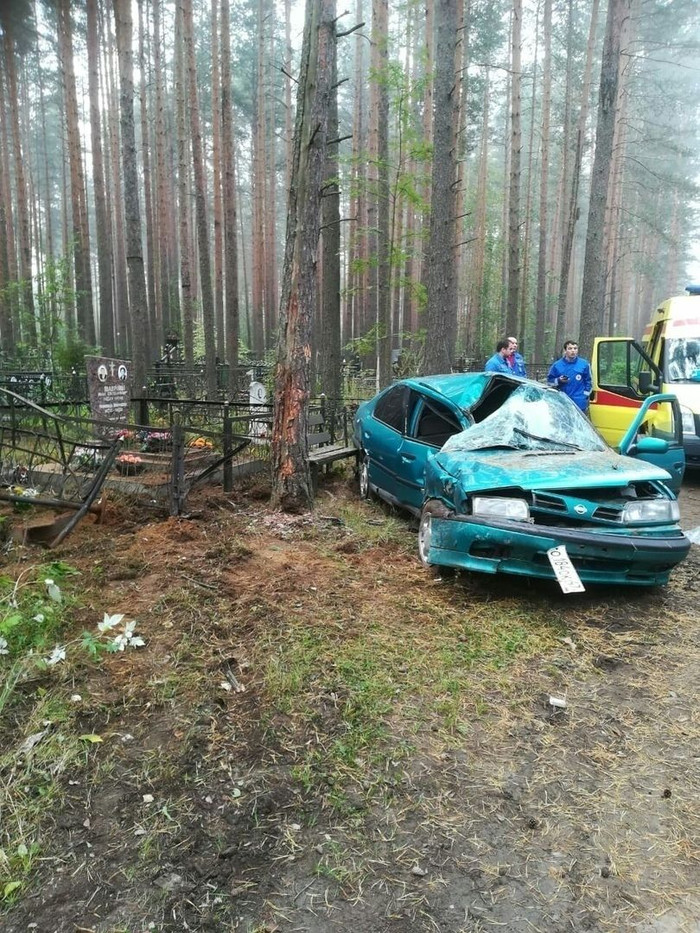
<point x="109" y="388"/>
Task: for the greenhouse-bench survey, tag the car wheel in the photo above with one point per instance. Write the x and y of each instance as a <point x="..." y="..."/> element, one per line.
<point x="363" y="476"/>
<point x="424" y="535"/>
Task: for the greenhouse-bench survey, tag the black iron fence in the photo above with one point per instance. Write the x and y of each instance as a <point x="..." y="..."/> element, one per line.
<point x="158" y="459"/>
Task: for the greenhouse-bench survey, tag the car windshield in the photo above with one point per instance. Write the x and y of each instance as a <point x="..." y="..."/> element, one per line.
<point x="683" y="359"/>
<point x="533" y="417"/>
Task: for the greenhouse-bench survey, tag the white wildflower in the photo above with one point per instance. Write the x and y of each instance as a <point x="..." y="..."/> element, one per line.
<point x="109" y="622"/>
<point x="53" y="591"/>
<point x="127" y="639"/>
<point x="58" y="654"/>
<point x="3" y="646"/>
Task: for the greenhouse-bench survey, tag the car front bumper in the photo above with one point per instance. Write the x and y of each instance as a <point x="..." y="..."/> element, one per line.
<point x="521" y="548"/>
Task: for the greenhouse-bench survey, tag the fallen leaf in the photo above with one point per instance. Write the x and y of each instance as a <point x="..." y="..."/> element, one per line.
<point x="91" y="737"/>
<point x="10" y="887"/>
<point x="30" y="742"/>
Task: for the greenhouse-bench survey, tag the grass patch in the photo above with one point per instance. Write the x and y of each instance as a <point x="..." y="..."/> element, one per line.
<point x="364" y="686"/>
<point x="31" y="786"/>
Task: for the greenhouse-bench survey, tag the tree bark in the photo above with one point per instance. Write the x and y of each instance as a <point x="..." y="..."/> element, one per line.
<point x="541" y="299"/>
<point x="514" y="188"/>
<point x="9" y="332"/>
<point x="229" y="181"/>
<point x="200" y="205"/>
<point x="593" y="290"/>
<point x="81" y="243"/>
<point x="132" y="208"/>
<point x="440" y="274"/>
<point x="154" y="326"/>
<point x="292" y="489"/>
<point x="168" y="315"/>
<point x="329" y="337"/>
<point x="573" y="206"/>
<point x="183" y="201"/>
<point x="28" y="322"/>
<point x="104" y="245"/>
<point x="380" y="40"/>
<point x="216" y="182"/>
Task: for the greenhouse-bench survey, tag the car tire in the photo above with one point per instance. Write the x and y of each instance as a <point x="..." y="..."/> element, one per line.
<point x="424" y="534"/>
<point x="432" y="509"/>
<point x="363" y="477"/>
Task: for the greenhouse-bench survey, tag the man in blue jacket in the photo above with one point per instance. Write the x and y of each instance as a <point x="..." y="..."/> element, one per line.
<point x="499" y="361"/>
<point x="515" y="360"/>
<point x="572" y="375"/>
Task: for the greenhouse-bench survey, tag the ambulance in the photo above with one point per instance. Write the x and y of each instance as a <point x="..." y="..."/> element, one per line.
<point x="626" y="372"/>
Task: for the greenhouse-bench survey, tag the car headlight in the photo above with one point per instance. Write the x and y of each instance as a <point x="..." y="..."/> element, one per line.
<point x="688" y="420"/>
<point x="651" y="510"/>
<point x="500" y="507"/>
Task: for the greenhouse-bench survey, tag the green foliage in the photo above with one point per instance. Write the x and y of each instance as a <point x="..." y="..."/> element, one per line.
<point x="30" y="619"/>
<point x="366" y="345"/>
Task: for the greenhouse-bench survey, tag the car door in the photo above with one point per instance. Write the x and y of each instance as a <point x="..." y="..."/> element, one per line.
<point x="431" y="422"/>
<point x="656" y="435"/>
<point x="623" y="376"/>
<point x="381" y="438"/>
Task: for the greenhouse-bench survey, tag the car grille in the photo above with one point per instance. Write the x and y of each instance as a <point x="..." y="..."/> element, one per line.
<point x="541" y="500"/>
<point x="605" y="513"/>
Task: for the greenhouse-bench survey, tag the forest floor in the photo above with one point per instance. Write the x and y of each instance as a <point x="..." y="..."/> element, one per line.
<point x="318" y="734"/>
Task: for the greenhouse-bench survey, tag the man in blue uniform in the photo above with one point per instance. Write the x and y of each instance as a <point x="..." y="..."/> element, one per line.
<point x="515" y="360"/>
<point x="499" y="361"/>
<point x="572" y="375"/>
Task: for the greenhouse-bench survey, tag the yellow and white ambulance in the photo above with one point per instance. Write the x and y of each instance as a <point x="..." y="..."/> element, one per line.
<point x="666" y="360"/>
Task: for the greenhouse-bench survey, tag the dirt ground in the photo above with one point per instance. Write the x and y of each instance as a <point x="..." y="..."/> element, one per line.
<point x="321" y="735"/>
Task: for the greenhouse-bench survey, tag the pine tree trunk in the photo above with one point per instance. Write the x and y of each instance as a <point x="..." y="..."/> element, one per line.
<point x="115" y="196"/>
<point x="229" y="184"/>
<point x="270" y="212"/>
<point x="258" y="243"/>
<point x="525" y="283"/>
<point x="573" y="206"/>
<point x="475" y="319"/>
<point x="593" y="290"/>
<point x="216" y="181"/>
<point x="183" y="201"/>
<point x="81" y="244"/>
<point x="290" y="469"/>
<point x="514" y="187"/>
<point x="168" y="316"/>
<point x="541" y="299"/>
<point x="29" y="334"/>
<point x="132" y="208"/>
<point x="288" y="112"/>
<point x="8" y="271"/>
<point x="104" y="246"/>
<point x="440" y="274"/>
<point x="380" y="39"/>
<point x="200" y="205"/>
<point x="329" y="336"/>
<point x="154" y="328"/>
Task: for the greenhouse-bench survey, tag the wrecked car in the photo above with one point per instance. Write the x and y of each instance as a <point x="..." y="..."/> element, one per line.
<point x="508" y="476"/>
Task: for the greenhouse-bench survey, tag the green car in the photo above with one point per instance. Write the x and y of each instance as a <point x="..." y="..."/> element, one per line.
<point x="508" y="476"/>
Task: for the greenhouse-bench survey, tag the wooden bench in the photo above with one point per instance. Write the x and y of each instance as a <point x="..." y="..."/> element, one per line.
<point x="326" y="443"/>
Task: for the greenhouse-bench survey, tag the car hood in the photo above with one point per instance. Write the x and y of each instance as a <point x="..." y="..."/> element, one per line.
<point x="527" y="469"/>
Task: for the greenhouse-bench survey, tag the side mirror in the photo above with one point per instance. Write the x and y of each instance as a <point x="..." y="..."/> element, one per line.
<point x="646" y="385"/>
<point x="651" y="445"/>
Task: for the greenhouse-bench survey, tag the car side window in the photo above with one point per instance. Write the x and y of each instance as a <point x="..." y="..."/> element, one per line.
<point x="436" y="423"/>
<point x="391" y="408"/>
<point x="664" y="424"/>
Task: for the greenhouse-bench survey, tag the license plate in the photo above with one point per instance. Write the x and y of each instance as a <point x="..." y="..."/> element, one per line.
<point x="564" y="570"/>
